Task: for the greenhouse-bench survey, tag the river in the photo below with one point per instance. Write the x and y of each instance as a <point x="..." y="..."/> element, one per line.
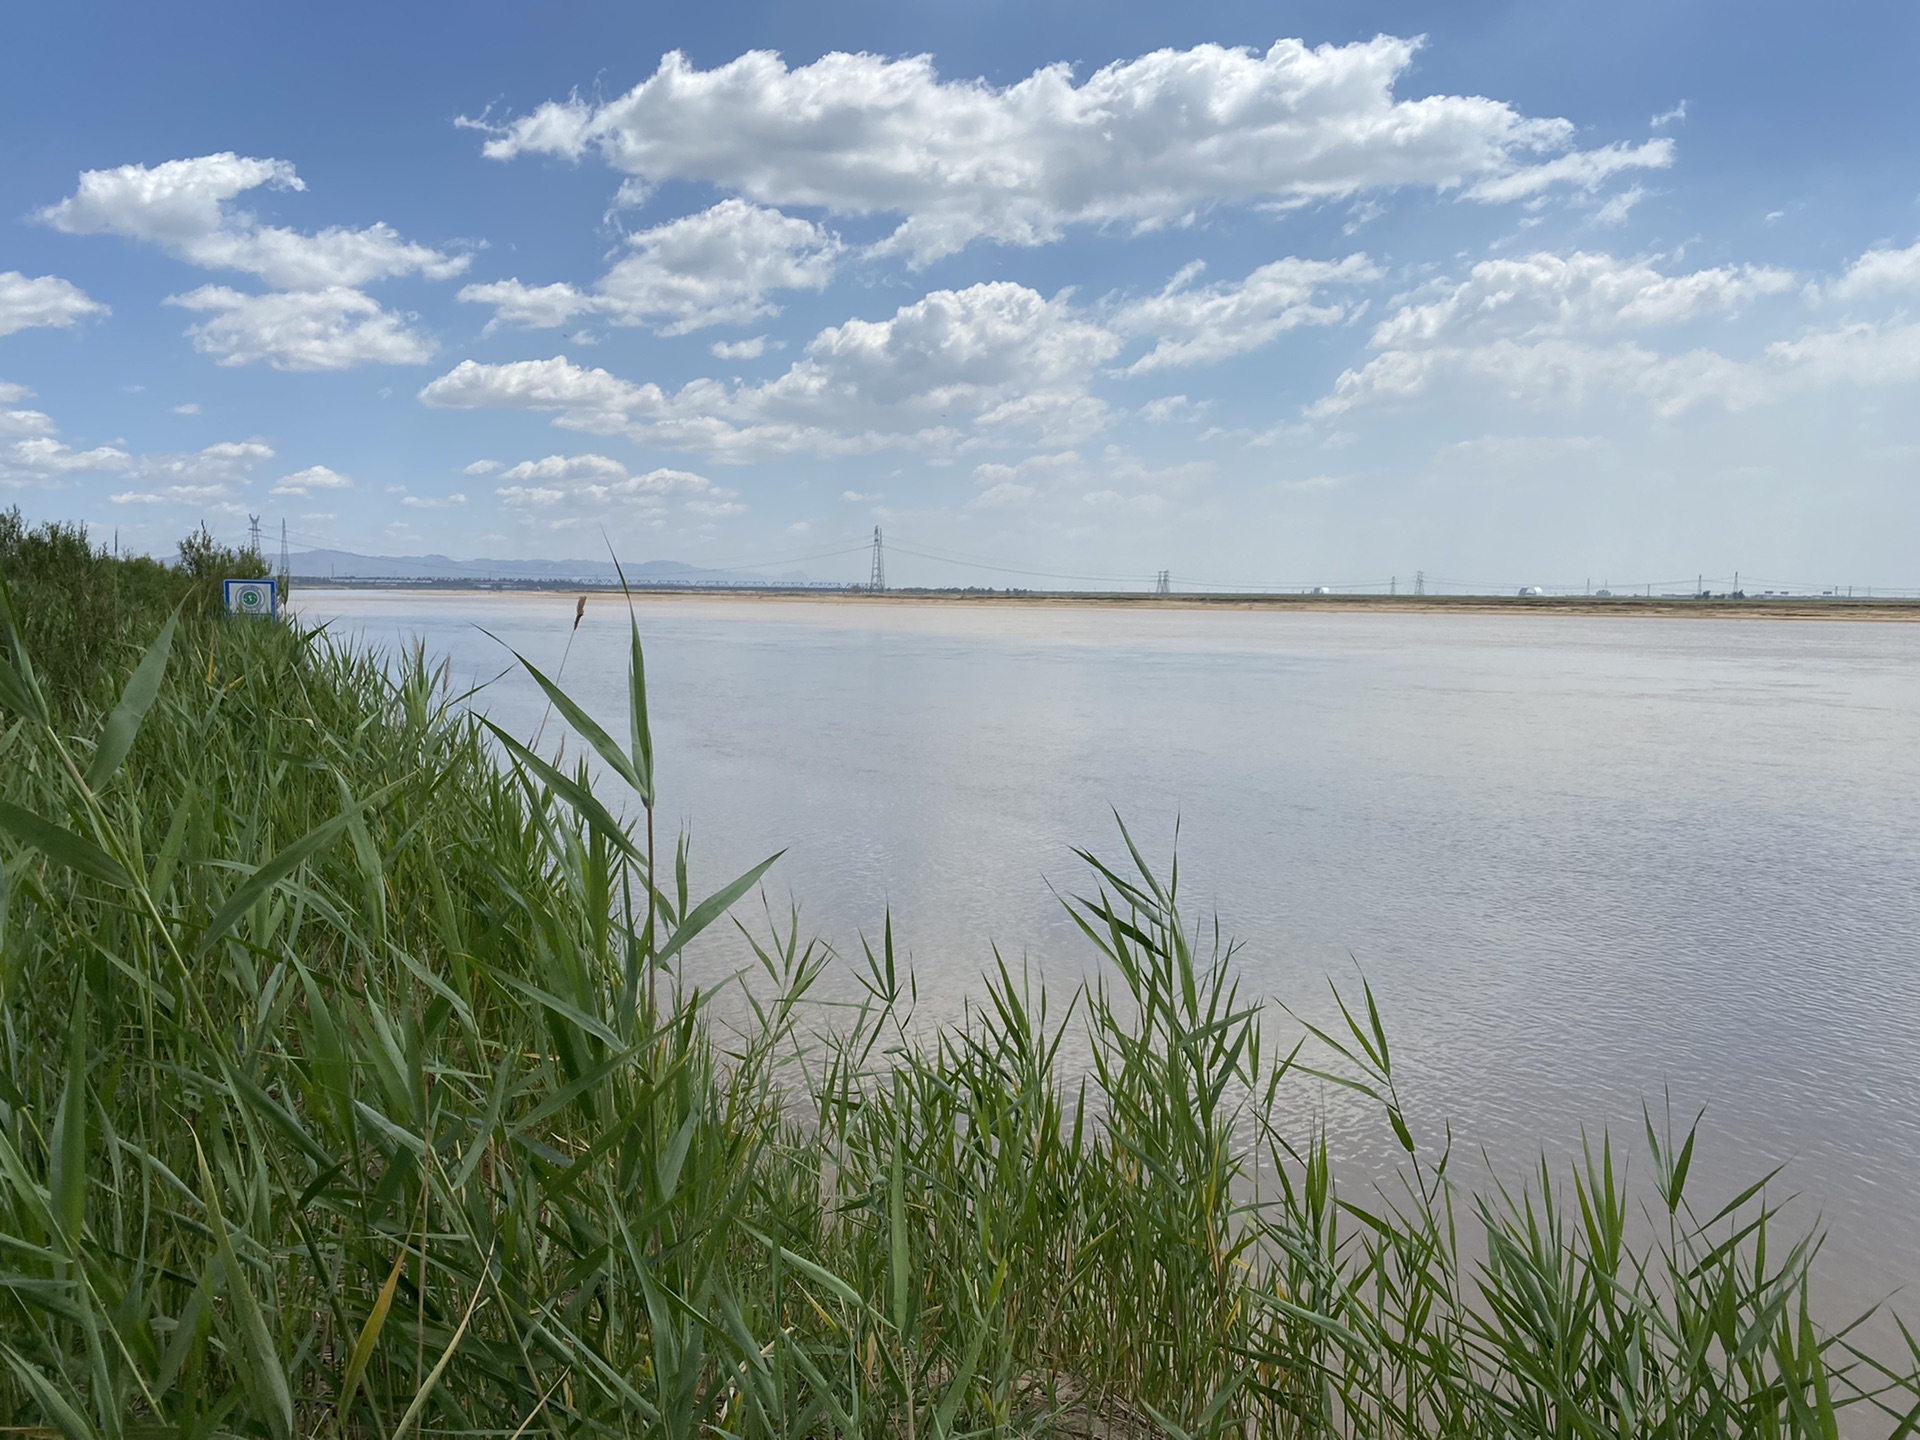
<point x="1584" y="861"/>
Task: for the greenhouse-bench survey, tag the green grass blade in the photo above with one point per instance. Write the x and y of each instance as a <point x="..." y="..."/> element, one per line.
<point x="428" y="1385"/>
<point x="62" y="846"/>
<point x="642" y="735"/>
<point x="642" y="730"/>
<point x="584" y="724"/>
<point x="280" y="867"/>
<point x="713" y="907"/>
<point x="68" y="1185"/>
<point x="123" y="724"/>
<point x="263" y="1373"/>
<point x="369" y="1337"/>
<point x="55" y="1406"/>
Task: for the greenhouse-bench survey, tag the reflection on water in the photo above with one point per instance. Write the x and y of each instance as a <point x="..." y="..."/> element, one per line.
<point x="1583" y="861"/>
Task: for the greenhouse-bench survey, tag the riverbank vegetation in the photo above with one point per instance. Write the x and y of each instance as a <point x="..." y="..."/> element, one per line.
<point x="351" y="1084"/>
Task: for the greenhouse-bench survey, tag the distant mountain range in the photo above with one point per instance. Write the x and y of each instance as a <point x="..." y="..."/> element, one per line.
<point x="345" y="565"/>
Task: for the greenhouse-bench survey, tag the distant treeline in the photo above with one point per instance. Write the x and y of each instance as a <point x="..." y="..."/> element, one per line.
<point x="83" y="610"/>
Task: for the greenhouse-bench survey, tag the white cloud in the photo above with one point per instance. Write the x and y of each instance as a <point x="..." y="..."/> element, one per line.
<point x="1583" y="293"/>
<point x="1669" y="117"/>
<point x="1554" y="372"/>
<point x="314" y="477"/>
<point x="317" y="318"/>
<point x="1619" y="206"/>
<point x="31" y="455"/>
<point x="1865" y="354"/>
<point x="749" y="349"/>
<point x="206" y="480"/>
<point x="480" y="467"/>
<point x="1581" y="170"/>
<point x="301" y="329"/>
<point x="43" y="300"/>
<point x="182" y="206"/>
<point x="1202" y="326"/>
<point x="1880" y="271"/>
<point x="957" y="367"/>
<point x="586" y="399"/>
<point x="566" y="490"/>
<point x="433" y="502"/>
<point x="42" y="460"/>
<point x="1143" y="141"/>
<point x="1064" y="485"/>
<point x="192" y="407"/>
<point x="1550" y="329"/>
<point x="1173" y="408"/>
<point x="532" y="307"/>
<point x="714" y="268"/>
<point x="1003" y="495"/>
<point x="558" y="469"/>
<point x="21" y="422"/>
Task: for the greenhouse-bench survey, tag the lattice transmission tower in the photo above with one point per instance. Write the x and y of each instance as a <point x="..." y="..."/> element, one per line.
<point x="1163" y="583"/>
<point x="878" y="580"/>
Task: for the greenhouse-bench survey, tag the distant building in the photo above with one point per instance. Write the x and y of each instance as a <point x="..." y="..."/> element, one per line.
<point x="1526" y="590"/>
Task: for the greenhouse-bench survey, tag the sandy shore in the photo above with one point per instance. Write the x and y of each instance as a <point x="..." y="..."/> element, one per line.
<point x="1895" y="611"/>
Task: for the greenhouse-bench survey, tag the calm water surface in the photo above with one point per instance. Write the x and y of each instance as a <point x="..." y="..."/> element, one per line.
<point x="1583" y="861"/>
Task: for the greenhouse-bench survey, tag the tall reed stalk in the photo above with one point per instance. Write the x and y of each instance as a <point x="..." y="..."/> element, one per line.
<point x="350" y="1083"/>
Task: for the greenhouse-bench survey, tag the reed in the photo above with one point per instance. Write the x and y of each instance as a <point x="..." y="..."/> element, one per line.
<point x="353" y="1084"/>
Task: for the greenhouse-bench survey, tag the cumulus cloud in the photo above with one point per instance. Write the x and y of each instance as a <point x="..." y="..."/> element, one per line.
<point x="31" y="452"/>
<point x="43" y="460"/>
<point x="300" y="329"/>
<point x="314" y="477"/>
<point x="1173" y="408"/>
<point x="1552" y="372"/>
<point x="206" y="480"/>
<point x="317" y="318"/>
<point x="952" y="368"/>
<point x="1880" y="272"/>
<point x="44" y="300"/>
<point x="1583" y="293"/>
<point x="1199" y="326"/>
<point x="1580" y="170"/>
<point x="566" y="490"/>
<point x="1143" y="141"/>
<point x="182" y="205"/>
<point x="1552" y="328"/>
<point x="433" y="502"/>
<point x="1521" y="351"/>
<point x="749" y="349"/>
<point x="1065" y="484"/>
<point x="714" y="268"/>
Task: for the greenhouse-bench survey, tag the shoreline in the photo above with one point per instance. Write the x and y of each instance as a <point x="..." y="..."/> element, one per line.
<point x="1656" y="607"/>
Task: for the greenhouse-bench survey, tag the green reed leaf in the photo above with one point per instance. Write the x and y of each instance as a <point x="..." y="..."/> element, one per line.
<point x="63" y="847"/>
<point x="123" y="724"/>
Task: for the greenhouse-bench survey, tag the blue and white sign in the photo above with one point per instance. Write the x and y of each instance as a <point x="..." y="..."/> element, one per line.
<point x="252" y="597"/>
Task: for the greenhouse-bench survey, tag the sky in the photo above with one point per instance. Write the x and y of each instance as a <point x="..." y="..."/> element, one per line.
<point x="1058" y="294"/>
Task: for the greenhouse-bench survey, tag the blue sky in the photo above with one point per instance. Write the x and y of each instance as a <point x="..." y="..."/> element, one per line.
<point x="1312" y="294"/>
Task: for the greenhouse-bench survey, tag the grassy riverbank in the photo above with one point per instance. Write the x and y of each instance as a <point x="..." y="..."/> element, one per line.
<point x="349" y="1087"/>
